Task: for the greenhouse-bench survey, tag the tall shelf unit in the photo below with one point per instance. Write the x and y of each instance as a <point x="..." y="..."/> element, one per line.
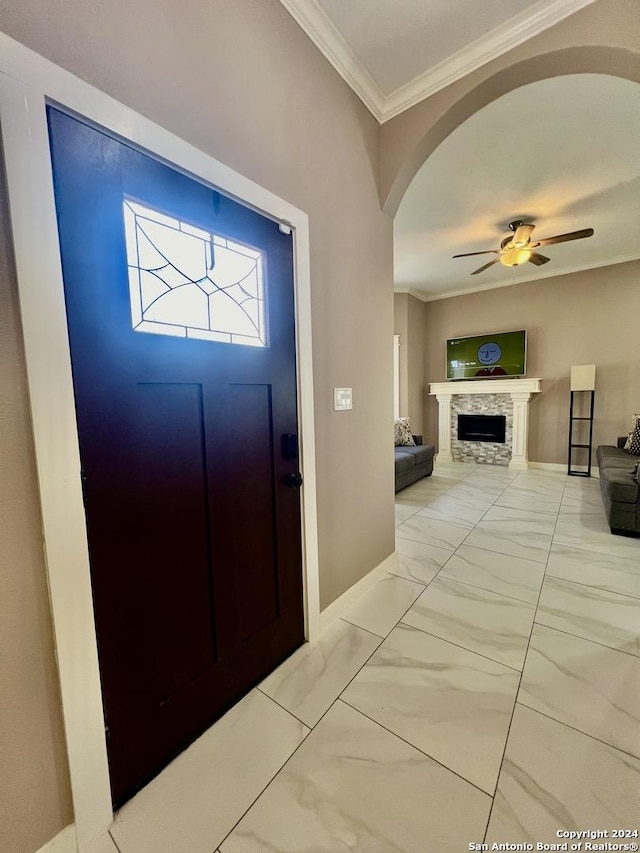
<point x="576" y="449"/>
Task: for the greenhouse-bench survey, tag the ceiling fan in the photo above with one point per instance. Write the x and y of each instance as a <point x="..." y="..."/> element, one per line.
<point x="518" y="248"/>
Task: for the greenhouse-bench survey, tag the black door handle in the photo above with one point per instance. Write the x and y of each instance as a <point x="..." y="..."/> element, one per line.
<point x="294" y="480"/>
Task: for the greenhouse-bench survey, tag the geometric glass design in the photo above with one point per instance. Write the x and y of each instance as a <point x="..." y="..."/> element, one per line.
<point x="188" y="282"/>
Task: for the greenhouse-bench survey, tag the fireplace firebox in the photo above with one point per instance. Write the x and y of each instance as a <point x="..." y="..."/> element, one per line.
<point x="482" y="428"/>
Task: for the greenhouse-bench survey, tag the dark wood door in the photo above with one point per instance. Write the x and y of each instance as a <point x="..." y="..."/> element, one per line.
<point x="180" y="310"/>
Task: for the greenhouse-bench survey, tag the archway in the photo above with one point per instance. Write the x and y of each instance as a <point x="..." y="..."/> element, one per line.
<point x="618" y="62"/>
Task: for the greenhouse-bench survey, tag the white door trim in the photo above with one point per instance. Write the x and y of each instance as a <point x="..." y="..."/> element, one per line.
<point x="27" y="82"/>
<point x="396" y="377"/>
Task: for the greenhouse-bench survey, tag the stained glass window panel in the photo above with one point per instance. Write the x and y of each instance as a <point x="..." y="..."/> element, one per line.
<point x="188" y="282"/>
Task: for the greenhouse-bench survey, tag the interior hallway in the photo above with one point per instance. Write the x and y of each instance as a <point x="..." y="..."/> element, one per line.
<point x="486" y="689"/>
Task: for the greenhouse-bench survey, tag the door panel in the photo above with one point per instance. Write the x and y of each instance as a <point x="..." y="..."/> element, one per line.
<point x="171" y="484"/>
<point x="254" y="510"/>
<point x="194" y="534"/>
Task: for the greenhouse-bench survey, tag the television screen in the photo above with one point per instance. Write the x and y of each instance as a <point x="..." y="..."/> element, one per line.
<point x="486" y="356"/>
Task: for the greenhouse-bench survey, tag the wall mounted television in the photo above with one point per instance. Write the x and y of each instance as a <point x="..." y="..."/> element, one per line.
<point x="494" y="355"/>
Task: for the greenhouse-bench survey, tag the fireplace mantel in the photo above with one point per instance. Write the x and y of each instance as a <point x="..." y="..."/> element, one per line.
<point x="520" y="391"/>
<point x="486" y="386"/>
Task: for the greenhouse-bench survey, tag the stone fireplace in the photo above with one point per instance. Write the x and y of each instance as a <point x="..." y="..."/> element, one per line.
<point x="472" y="449"/>
<point x="508" y="398"/>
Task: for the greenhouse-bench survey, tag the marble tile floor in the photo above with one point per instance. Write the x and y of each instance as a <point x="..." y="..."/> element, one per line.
<point x="486" y="690"/>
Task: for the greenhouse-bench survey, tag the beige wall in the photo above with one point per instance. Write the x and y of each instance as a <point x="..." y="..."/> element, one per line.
<point x="34" y="800"/>
<point x="242" y="82"/>
<point x="416" y="328"/>
<point x="410" y="324"/>
<point x="583" y="318"/>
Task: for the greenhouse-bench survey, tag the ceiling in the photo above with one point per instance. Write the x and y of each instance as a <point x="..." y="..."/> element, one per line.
<point x="561" y="153"/>
<point x="395" y="53"/>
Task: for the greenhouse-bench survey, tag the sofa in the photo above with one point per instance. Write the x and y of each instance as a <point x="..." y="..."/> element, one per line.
<point x="620" y="487"/>
<point x="413" y="463"/>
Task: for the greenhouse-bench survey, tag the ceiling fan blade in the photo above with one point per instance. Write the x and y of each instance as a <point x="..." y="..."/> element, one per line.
<point x="538" y="259"/>
<point x="522" y="235"/>
<point x="564" y="238"/>
<point x="486" y="266"/>
<point x="469" y="254"/>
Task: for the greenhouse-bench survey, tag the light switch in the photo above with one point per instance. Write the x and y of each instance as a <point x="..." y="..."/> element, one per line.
<point x="342" y="399"/>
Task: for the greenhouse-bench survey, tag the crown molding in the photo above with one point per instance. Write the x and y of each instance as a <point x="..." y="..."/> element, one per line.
<point x="518" y="29"/>
<point x="327" y="38"/>
<point x="417" y="294"/>
<point x="435" y="297"/>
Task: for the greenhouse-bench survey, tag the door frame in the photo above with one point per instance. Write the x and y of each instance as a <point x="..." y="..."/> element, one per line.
<point x="28" y="82"/>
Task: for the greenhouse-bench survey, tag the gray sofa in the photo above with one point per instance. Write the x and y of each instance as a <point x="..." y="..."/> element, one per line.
<point x="413" y="463"/>
<point x="620" y="487"/>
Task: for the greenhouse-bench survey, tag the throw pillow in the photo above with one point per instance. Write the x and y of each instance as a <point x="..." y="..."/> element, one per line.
<point x="634" y="440"/>
<point x="634" y="422"/>
<point x="402" y="433"/>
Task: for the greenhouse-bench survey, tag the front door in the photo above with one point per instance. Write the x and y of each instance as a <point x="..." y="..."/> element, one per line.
<point x="180" y="309"/>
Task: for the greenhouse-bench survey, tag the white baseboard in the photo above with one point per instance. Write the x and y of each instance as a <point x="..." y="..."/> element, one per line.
<point x="67" y="842"/>
<point x="561" y="468"/>
<point x="337" y="607"/>
<point x="64" y="842"/>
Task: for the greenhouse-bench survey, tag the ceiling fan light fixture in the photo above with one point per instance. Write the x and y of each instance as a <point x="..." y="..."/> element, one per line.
<point x="518" y="249"/>
<point x="516" y="256"/>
